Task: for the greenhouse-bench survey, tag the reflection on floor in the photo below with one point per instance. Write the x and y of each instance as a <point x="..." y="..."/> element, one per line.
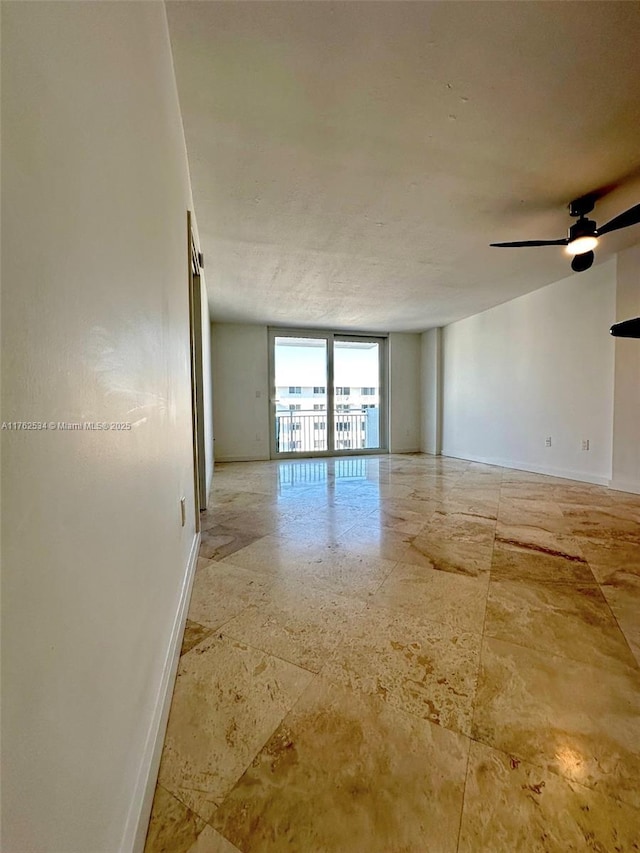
<point x="407" y="653"/>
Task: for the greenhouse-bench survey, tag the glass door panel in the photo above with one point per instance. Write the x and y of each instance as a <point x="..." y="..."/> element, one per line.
<point x="356" y="398"/>
<point x="301" y="400"/>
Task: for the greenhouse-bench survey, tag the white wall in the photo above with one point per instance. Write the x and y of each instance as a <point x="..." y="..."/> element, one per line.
<point x="404" y="392"/>
<point x="540" y="365"/>
<point x="626" y="420"/>
<point x="95" y="327"/>
<point x="431" y="391"/>
<point x="239" y="356"/>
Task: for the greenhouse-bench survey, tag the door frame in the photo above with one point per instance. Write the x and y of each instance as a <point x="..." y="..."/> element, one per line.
<point x="195" y="352"/>
<point x="330" y="337"/>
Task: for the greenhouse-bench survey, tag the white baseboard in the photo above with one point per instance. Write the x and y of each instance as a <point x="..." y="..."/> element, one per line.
<point x="135" y="831"/>
<point x="619" y="484"/>
<point x="260" y="458"/>
<point x="563" y="473"/>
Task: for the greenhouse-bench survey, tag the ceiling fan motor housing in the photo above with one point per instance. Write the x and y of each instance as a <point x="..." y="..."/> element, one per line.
<point x="582" y="228"/>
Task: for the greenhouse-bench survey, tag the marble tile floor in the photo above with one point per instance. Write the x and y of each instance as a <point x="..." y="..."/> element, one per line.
<point x="406" y="654"/>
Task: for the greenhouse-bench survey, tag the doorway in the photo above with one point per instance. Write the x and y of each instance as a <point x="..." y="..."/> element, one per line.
<point x="328" y="393"/>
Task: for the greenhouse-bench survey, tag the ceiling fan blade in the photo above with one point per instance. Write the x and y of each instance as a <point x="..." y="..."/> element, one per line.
<point x="519" y="243"/>
<point x="624" y="220"/>
<point x="626" y="329"/>
<point x="582" y="262"/>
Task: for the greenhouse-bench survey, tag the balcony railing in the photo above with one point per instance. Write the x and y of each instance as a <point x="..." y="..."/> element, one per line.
<point x="300" y="432"/>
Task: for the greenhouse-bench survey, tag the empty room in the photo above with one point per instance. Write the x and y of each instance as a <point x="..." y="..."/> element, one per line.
<point x="320" y="426"/>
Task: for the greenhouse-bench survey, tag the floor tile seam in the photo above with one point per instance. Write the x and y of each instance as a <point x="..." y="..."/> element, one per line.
<point x="561" y="585"/>
<point x="349" y="554"/>
<point x="384" y="702"/>
<point x="173" y="796"/>
<point x="189" y="807"/>
<point x="254" y="647"/>
<point x="527" y="522"/>
<point x="208" y="637"/>
<point x="532" y="548"/>
<point x="433" y="519"/>
<point x="596" y="541"/>
<point x="470" y="515"/>
<point x="396" y="529"/>
<point x="464" y="792"/>
<point x="475" y="696"/>
<point x="547" y="768"/>
<point x="553" y="584"/>
<point x="223" y="562"/>
<point x="420" y="565"/>
<point x="218" y="559"/>
<point x="555" y="654"/>
<point x="545" y="583"/>
<point x="547" y="654"/>
<point x="272" y="583"/>
<point x="342" y="642"/>
<point x="423" y="622"/>
<point x="482" y="573"/>
<point x="194" y="812"/>
<point x="311" y="545"/>
<point x="238" y="638"/>
<point x="219" y="628"/>
<point x="219" y="831"/>
<point x="287" y="713"/>
<point x="482" y="644"/>
<point x="227" y="503"/>
<point x="237" y="521"/>
<point x="631" y="594"/>
<point x="346" y="531"/>
<point x="619" y="624"/>
<point x="428" y="521"/>
<point x="394" y="705"/>
<point x="394" y="565"/>
<point x="318" y="587"/>
<point x="589" y="566"/>
<point x="502" y="578"/>
<point x="625" y="540"/>
<point x="346" y="599"/>
<point x="239" y="527"/>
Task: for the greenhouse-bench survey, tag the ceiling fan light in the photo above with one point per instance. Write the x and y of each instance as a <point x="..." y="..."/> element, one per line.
<point x="581" y="245"/>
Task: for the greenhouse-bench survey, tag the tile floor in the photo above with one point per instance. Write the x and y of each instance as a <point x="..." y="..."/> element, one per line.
<point x="407" y="653"/>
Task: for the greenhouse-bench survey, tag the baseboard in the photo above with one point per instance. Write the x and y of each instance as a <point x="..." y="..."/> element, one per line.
<point x="260" y="458"/>
<point x="549" y="470"/>
<point x="135" y="831"/>
<point x="406" y="450"/>
<point x="619" y="484"/>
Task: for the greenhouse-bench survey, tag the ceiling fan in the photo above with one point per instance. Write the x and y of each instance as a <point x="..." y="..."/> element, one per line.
<point x="583" y="234"/>
<point x="626" y="329"/>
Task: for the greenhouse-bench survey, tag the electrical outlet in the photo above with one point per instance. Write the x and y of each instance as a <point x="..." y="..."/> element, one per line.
<point x="183" y="511"/>
<point x="547" y="441"/>
<point x="585" y="443"/>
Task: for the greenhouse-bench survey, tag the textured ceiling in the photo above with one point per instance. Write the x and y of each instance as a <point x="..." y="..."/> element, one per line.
<point x="351" y="161"/>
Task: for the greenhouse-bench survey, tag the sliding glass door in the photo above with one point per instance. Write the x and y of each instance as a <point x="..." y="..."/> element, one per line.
<point x="357" y="394"/>
<point x="328" y="393"/>
<point x="300" y="403"/>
